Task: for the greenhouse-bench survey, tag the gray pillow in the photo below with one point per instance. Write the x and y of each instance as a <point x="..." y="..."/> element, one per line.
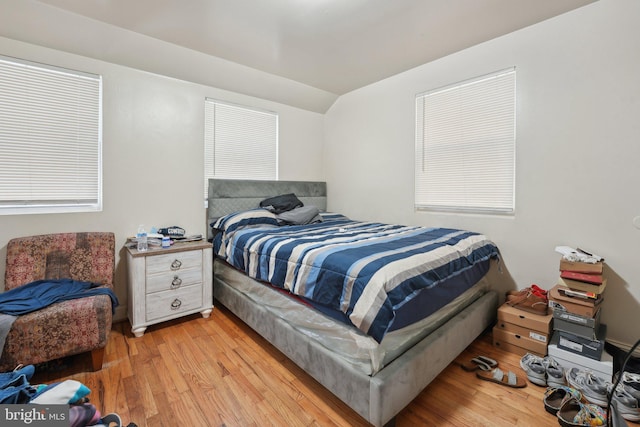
<point x="300" y="216"/>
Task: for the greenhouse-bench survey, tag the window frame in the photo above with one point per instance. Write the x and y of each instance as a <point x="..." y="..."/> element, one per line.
<point x="479" y="115"/>
<point x="31" y="135"/>
<point x="244" y="113"/>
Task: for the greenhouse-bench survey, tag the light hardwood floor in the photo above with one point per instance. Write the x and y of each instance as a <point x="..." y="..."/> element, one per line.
<point x="218" y="372"/>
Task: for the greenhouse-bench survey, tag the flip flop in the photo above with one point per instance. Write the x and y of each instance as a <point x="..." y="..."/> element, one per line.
<point x="498" y="376"/>
<point x="479" y="362"/>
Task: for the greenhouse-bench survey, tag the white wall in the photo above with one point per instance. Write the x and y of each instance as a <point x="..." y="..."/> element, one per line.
<point x="578" y="130"/>
<point x="152" y="153"/>
<point x="577" y="148"/>
<point x="42" y="24"/>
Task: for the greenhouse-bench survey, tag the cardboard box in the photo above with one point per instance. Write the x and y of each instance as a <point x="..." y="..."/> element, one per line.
<point x="591" y="297"/>
<point x="534" y="322"/>
<point x="595" y="279"/>
<point x="581" y="267"/>
<point x="502" y="337"/>
<point x="584" y="346"/>
<point x="591" y="322"/>
<point x="583" y="286"/>
<point x="579" y="306"/>
<point x="586" y="327"/>
<point x="520" y="351"/>
<point x="522" y="331"/>
<point x="602" y="368"/>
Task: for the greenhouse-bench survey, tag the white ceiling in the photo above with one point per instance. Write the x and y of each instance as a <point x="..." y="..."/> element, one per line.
<point x="302" y="53"/>
<point x="333" y="45"/>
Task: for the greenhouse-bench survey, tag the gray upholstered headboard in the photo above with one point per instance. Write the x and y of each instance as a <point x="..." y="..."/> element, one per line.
<point x="233" y="195"/>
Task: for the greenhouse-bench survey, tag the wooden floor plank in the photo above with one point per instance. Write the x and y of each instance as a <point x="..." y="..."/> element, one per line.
<point x="189" y="411"/>
<point x="218" y="372"/>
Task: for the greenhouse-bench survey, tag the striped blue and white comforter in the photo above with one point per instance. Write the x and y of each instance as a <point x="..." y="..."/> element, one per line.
<point x="366" y="270"/>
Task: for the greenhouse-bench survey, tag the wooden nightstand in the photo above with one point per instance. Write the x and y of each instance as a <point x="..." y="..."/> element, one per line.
<point x="168" y="283"/>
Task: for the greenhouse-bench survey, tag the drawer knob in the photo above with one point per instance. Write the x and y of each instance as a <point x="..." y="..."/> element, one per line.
<point x="176" y="282"/>
<point x="176" y="264"/>
<point x="176" y="304"/>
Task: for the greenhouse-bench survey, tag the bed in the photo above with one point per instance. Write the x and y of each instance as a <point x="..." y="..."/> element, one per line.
<point x="376" y="368"/>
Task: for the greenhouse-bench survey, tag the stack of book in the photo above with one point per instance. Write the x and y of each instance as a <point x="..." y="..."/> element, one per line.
<point x="576" y="302"/>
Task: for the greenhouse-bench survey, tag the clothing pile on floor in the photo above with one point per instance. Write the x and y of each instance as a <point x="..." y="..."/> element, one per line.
<point x="16" y="389"/>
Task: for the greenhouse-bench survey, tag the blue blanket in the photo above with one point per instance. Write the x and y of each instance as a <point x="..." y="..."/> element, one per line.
<point x="367" y="270"/>
<point x="42" y="293"/>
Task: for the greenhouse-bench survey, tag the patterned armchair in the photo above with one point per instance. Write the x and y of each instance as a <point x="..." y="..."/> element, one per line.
<point x="68" y="327"/>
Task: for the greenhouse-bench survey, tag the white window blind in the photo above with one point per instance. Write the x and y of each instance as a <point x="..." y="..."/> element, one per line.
<point x="50" y="139"/>
<point x="239" y="142"/>
<point x="465" y="145"/>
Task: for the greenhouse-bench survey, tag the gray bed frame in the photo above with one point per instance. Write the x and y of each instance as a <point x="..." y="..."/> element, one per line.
<point x="378" y="398"/>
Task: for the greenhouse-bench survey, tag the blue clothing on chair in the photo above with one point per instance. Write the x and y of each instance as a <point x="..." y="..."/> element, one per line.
<point x="42" y="293"/>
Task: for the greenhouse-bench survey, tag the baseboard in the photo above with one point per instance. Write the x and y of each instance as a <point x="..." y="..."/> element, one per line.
<point x="624" y="346"/>
<point x="120" y="314"/>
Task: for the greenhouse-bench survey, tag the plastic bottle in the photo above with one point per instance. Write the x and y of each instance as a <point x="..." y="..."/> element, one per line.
<point x="142" y="239"/>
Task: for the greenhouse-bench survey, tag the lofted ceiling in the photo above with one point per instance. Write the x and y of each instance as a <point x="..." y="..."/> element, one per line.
<point x="334" y="46"/>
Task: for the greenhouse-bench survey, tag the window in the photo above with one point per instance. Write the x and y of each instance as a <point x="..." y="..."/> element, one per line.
<point x="465" y="146"/>
<point x="239" y="142"/>
<point x="50" y="139"/>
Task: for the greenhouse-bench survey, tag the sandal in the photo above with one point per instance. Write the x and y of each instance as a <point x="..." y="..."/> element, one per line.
<point x="479" y="362"/>
<point x="572" y="413"/>
<point x="498" y="376"/>
<point x="554" y="397"/>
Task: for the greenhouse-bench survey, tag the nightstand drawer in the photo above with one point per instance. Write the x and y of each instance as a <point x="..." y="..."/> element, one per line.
<point x="174" y="280"/>
<point x="174" y="262"/>
<point x="170" y="303"/>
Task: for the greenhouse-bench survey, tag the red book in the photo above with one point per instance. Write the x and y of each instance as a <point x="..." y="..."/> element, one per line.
<point x="596" y="279"/>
